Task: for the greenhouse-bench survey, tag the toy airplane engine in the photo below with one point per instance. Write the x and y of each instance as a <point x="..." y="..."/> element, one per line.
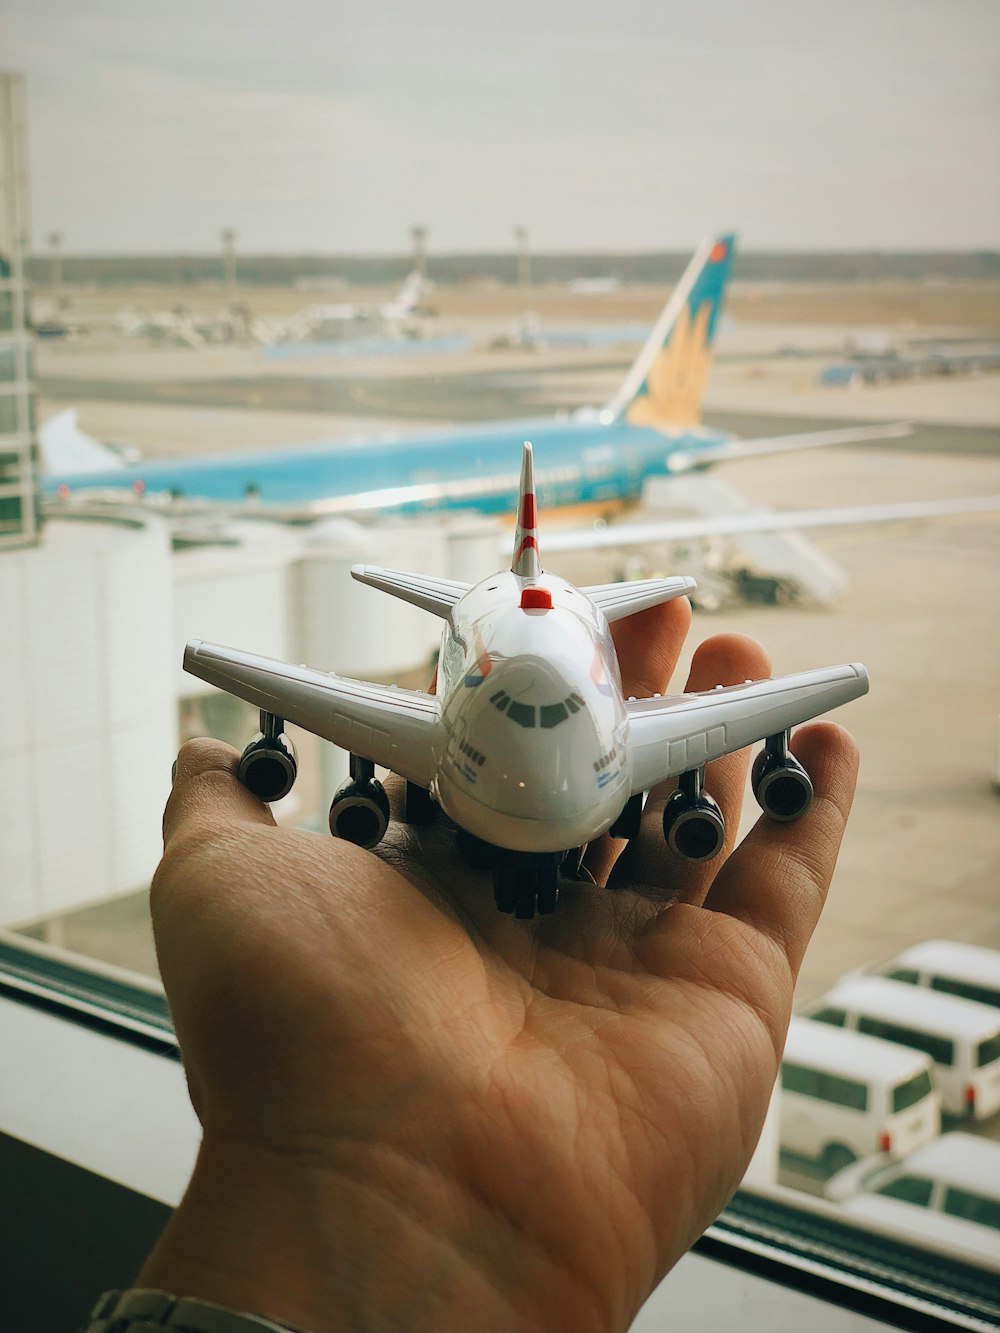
<point x="528" y="746"/>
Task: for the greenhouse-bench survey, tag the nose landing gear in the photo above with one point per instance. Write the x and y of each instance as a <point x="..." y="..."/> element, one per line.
<point x="527" y="882"/>
<point x="524" y="883"/>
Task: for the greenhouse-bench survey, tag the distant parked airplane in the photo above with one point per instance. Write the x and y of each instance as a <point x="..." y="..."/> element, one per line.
<point x="651" y="427"/>
<point x="400" y="317"/>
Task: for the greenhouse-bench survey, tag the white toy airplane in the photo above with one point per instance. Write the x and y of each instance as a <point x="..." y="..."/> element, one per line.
<point x="528" y="744"/>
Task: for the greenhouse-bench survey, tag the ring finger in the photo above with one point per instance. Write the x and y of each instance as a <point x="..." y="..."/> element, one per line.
<point x="648" y="863"/>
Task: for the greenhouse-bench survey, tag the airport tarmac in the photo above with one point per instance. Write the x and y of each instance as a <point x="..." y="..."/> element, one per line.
<point x="922" y="856"/>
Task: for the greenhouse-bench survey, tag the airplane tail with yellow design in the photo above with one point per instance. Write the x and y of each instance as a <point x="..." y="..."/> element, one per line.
<point x="665" y="386"/>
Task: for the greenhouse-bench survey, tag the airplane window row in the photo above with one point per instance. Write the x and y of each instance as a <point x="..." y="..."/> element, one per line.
<point x="471" y="753"/>
<point x="527" y="715"/>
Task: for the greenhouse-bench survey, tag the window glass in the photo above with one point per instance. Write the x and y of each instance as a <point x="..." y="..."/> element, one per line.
<point x="8" y="413"/>
<point x="837" y="1017"/>
<point x="912" y="1091"/>
<point x="911" y="1189"/>
<point x="10" y="468"/>
<point x="988" y="1051"/>
<point x="533" y="170"/>
<point x="909" y="974"/>
<point x="968" y="990"/>
<point x="796" y="1078"/>
<point x="973" y="1207"/>
<point x="523" y="714"/>
<point x="550" y="715"/>
<point x="844" y="1092"/>
<point x="11" y="513"/>
<point x="940" y="1049"/>
<point x="827" y="1087"/>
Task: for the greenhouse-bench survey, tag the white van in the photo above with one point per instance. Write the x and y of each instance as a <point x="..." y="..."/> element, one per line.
<point x="845" y="1096"/>
<point x="967" y="970"/>
<point x="961" y="1037"/>
<point x="945" y="1195"/>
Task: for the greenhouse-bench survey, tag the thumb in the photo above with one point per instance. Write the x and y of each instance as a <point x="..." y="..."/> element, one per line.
<point x="207" y="796"/>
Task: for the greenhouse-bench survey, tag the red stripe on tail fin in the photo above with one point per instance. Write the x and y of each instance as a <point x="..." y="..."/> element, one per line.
<point x="526" y="563"/>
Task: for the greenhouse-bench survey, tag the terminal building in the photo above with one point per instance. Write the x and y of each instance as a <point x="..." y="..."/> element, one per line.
<point x="90" y="714"/>
<point x="96" y="603"/>
<point x="19" y="519"/>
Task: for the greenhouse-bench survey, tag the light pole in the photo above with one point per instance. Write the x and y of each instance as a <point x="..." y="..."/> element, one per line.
<point x="523" y="260"/>
<point x="228" y="237"/>
<point x="418" y="235"/>
<point x="55" y="241"/>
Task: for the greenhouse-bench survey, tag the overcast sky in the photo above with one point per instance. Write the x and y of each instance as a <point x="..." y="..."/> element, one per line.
<point x="328" y="126"/>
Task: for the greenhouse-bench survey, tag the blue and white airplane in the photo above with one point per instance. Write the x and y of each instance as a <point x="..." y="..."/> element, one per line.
<point x="651" y="427"/>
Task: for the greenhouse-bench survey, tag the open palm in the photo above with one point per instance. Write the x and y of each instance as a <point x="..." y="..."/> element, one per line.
<point x="525" y="1122"/>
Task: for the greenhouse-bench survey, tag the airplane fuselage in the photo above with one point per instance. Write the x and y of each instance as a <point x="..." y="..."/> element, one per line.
<point x="578" y="461"/>
<point x="533" y="722"/>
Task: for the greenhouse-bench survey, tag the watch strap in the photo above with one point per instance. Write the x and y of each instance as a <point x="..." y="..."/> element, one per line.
<point x="143" y="1310"/>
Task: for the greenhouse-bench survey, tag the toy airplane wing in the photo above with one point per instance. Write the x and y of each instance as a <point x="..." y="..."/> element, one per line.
<point x="672" y="734"/>
<point x="398" y="729"/>
<point x="435" y="595"/>
<point x="618" y="600"/>
<point x="735" y="525"/>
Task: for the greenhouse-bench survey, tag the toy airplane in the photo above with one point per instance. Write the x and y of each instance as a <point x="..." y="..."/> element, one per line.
<point x="528" y="746"/>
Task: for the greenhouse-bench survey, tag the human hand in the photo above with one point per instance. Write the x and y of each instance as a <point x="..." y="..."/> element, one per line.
<point x="419" y="1112"/>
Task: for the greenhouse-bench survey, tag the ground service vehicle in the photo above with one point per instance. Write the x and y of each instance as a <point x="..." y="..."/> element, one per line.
<point x="844" y="1095"/>
<point x="961" y="1037"/>
<point x="967" y="970"/>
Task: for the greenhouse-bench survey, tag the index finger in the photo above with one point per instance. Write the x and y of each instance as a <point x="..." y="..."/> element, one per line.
<point x="207" y="795"/>
<point x="777" y="879"/>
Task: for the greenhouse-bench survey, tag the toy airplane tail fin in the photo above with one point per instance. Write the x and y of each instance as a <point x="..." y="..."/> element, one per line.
<point x="665" y="385"/>
<point x="526" y="562"/>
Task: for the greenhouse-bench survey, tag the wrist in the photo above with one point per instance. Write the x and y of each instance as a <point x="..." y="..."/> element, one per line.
<point x="349" y="1241"/>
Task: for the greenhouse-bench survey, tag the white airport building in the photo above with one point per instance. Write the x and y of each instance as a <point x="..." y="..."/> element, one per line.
<point x="95" y="617"/>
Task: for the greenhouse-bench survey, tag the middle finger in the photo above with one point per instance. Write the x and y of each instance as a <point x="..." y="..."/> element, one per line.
<point x="724" y="659"/>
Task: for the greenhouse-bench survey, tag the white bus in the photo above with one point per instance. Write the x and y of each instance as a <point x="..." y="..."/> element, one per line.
<point x="845" y="1096"/>
<point x="967" y="970"/>
<point x="961" y="1037"/>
